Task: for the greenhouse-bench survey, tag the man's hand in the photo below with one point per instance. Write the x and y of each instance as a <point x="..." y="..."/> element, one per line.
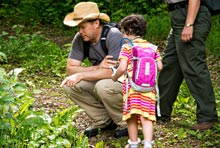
<point x="107" y="62"/>
<point x="71" y="80"/>
<point x="187" y="34"/>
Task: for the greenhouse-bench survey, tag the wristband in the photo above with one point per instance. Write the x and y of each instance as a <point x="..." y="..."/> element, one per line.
<point x="188" y="25"/>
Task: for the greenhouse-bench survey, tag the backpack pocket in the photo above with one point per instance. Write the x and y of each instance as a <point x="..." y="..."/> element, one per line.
<point x="144" y="74"/>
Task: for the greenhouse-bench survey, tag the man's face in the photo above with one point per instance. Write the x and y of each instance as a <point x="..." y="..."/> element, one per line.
<point x="88" y="31"/>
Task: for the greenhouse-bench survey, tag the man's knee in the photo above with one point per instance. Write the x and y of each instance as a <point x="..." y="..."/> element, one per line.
<point x="73" y="92"/>
<point x="106" y="87"/>
<point x="67" y="89"/>
<point x="82" y="86"/>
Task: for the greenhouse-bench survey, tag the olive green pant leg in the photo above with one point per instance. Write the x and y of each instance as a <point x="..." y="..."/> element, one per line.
<point x="85" y="95"/>
<point x="170" y="77"/>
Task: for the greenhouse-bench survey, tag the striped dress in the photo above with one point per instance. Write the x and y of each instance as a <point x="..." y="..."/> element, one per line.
<point x="138" y="103"/>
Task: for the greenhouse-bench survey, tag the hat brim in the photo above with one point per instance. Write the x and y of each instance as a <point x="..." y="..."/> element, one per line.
<point x="69" y="20"/>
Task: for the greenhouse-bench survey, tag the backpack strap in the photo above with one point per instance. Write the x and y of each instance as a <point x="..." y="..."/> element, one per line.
<point x="124" y="39"/>
<point x="104" y="34"/>
<point x="86" y="46"/>
<point x="158" y="100"/>
<point x="126" y="88"/>
<point x="127" y="75"/>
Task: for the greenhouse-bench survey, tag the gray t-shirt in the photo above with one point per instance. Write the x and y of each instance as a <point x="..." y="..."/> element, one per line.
<point x="96" y="53"/>
<point x="173" y="1"/>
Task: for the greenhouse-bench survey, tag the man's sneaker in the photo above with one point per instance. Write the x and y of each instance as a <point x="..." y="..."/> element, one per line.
<point x="121" y="133"/>
<point x="93" y="131"/>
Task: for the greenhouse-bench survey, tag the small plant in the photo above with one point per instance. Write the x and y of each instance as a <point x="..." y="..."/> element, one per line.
<point x="22" y="126"/>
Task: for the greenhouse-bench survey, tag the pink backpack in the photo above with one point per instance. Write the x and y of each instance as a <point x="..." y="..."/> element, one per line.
<point x="144" y="67"/>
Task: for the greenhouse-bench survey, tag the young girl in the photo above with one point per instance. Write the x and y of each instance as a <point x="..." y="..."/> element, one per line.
<point x="136" y="110"/>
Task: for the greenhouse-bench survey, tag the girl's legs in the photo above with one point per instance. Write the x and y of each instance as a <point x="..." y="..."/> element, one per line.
<point x="147" y="129"/>
<point x="133" y="128"/>
<point x="134" y="141"/>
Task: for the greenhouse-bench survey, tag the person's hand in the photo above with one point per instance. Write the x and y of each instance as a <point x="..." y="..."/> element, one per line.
<point x="71" y="80"/>
<point x="114" y="78"/>
<point x="107" y="62"/>
<point x="113" y="73"/>
<point x="187" y="34"/>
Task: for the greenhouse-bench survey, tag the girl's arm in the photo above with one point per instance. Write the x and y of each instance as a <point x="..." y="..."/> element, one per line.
<point x="120" y="70"/>
<point x="159" y="65"/>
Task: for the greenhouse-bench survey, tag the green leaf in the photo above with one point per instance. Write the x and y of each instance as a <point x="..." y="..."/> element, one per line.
<point x="4" y="33"/>
<point x="3" y="57"/>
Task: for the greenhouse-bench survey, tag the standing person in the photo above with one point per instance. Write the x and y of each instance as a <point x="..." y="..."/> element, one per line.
<point x="139" y="107"/>
<point x="91" y="87"/>
<point x="185" y="58"/>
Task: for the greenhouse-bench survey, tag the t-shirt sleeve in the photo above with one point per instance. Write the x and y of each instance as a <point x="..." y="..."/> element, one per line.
<point x="113" y="42"/>
<point x="125" y="52"/>
<point x="76" y="51"/>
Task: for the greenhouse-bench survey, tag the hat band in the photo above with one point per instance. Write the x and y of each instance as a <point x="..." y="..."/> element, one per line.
<point x="79" y="18"/>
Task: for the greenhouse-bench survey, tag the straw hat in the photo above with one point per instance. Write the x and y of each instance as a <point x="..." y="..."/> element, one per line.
<point x="82" y="12"/>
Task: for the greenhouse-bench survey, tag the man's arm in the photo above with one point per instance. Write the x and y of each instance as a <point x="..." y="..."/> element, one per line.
<point x="74" y="66"/>
<point x="101" y="73"/>
<point x="77" y="72"/>
<point x="94" y="75"/>
<point x="193" y="8"/>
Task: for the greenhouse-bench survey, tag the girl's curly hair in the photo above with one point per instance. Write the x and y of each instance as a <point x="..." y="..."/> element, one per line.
<point x="133" y="24"/>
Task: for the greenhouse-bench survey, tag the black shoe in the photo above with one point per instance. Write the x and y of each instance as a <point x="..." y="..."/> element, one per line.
<point x="203" y="126"/>
<point x="163" y="118"/>
<point x="93" y="131"/>
<point x="121" y="133"/>
<point x="90" y="132"/>
<point x="111" y="126"/>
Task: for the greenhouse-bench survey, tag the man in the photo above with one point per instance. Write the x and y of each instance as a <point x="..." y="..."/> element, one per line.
<point x="185" y="58"/>
<point x="91" y="87"/>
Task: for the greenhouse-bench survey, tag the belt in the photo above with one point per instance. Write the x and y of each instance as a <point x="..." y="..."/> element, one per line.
<point x="178" y="5"/>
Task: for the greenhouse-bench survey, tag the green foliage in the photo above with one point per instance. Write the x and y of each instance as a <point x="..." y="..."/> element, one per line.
<point x="158" y="28"/>
<point x="53" y="12"/>
<point x="100" y="144"/>
<point x="213" y="42"/>
<point x="21" y="126"/>
<point x="33" y="52"/>
<point x="36" y="12"/>
<point x="3" y="58"/>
